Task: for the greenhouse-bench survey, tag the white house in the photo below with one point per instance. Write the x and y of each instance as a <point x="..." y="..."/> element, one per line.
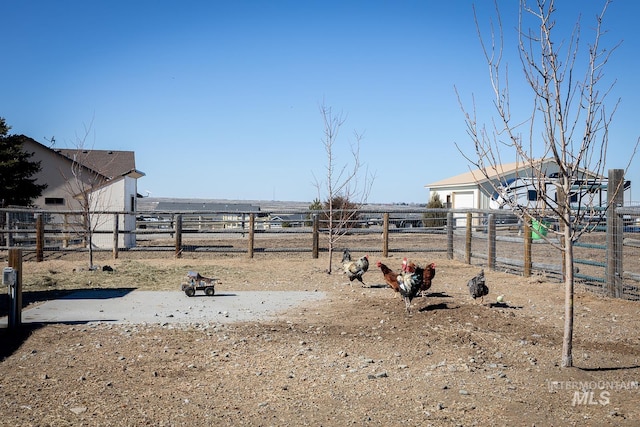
<point x="105" y="180"/>
<point x="515" y="181"/>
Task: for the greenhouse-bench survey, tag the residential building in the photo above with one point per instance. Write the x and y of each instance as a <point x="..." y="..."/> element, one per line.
<point x="101" y="181"/>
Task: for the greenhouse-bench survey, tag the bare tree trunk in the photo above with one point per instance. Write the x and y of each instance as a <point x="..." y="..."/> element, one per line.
<point x="567" y="341"/>
<point x="91" y="251"/>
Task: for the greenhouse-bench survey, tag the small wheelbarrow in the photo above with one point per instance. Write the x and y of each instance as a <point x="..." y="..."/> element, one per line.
<point x="196" y="282"/>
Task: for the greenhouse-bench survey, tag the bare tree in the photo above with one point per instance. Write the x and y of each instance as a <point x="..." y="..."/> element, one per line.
<point x="347" y="186"/>
<point x="87" y="187"/>
<point x="568" y="124"/>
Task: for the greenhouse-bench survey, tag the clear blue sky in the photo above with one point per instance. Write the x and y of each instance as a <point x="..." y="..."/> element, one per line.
<point x="220" y="99"/>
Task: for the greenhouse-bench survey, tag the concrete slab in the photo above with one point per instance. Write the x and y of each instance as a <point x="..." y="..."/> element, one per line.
<point x="136" y="307"/>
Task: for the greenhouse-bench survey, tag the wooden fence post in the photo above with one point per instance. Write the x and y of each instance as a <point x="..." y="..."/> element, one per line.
<point x="15" y="315"/>
<point x="65" y="231"/>
<point x="39" y="238"/>
<point x="385" y="234"/>
<point x="450" y="226"/>
<point x="178" y="231"/>
<point x="252" y="223"/>
<point x="467" y="244"/>
<point x="316" y="237"/>
<point x="527" y="248"/>
<point x="491" y="241"/>
<point x="9" y="235"/>
<point x="615" y="230"/>
<point x="116" y="234"/>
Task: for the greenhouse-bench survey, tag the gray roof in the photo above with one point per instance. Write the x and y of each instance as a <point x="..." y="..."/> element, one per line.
<point x="206" y="206"/>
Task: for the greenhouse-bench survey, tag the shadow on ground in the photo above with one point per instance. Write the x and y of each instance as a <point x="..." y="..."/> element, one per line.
<point x="12" y="339"/>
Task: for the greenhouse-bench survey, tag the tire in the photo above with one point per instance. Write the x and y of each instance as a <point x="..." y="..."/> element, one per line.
<point x="190" y="292"/>
<point x="209" y="291"/>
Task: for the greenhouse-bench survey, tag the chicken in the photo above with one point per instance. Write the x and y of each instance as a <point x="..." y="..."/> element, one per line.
<point x="411" y="283"/>
<point x="354" y="269"/>
<point x="477" y="286"/>
<point x="195" y="277"/>
<point x="390" y="276"/>
<point x="427" y="276"/>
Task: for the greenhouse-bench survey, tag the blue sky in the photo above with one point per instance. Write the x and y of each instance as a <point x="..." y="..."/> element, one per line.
<point x="220" y="99"/>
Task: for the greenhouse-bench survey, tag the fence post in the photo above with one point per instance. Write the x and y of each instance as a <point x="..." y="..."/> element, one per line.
<point x="615" y="229"/>
<point x="116" y="234"/>
<point x="316" y="237"/>
<point x="39" y="238"/>
<point x="252" y="223"/>
<point x="9" y="235"/>
<point x="450" y="227"/>
<point x="15" y="311"/>
<point x="385" y="234"/>
<point x="467" y="243"/>
<point x="65" y="231"/>
<point x="491" y="241"/>
<point x="178" y="231"/>
<point x="527" y="248"/>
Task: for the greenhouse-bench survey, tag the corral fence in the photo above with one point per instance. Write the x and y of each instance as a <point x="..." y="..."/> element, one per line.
<point x="605" y="257"/>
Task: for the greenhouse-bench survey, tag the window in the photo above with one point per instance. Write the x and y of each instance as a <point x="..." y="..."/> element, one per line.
<point x="54" y="201"/>
<point x="573" y="197"/>
<point x="532" y="195"/>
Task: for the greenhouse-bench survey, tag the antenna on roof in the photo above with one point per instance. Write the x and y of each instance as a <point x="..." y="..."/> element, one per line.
<point x="52" y="141"/>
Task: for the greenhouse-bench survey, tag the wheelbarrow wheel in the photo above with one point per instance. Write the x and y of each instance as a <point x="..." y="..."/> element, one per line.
<point x="209" y="291"/>
<point x="190" y="292"/>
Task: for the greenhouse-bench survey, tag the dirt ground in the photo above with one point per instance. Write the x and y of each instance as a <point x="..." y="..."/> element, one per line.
<point x="354" y="358"/>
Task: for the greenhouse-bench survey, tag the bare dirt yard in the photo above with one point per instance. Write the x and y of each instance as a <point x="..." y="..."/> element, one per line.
<point x="352" y="357"/>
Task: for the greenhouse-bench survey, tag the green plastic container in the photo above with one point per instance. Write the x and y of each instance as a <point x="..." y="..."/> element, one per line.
<point x="538" y="229"/>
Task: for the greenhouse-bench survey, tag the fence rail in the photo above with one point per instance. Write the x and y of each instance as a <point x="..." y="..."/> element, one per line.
<point x="497" y="241"/>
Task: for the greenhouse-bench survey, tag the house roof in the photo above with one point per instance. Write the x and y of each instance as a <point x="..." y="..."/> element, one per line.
<point x="477" y="176"/>
<point x="109" y="163"/>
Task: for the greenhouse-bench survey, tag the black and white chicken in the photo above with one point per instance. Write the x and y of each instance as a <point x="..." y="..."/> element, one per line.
<point x="410" y="283"/>
<point x="477" y="286"/>
<point x="354" y="269"/>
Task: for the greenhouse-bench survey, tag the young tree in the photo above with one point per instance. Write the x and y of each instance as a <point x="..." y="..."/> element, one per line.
<point x="346" y="185"/>
<point x="17" y="185"/>
<point x="568" y="124"/>
<point x="86" y="184"/>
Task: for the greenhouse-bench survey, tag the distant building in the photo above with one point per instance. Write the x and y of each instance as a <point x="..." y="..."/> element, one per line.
<point x="220" y="215"/>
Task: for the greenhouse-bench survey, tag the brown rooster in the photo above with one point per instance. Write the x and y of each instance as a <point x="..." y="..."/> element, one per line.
<point x="428" y="274"/>
<point x="390" y="276"/>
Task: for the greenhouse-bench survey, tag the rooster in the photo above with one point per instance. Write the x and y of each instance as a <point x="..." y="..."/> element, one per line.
<point x="354" y="269"/>
<point x="390" y="276"/>
<point x="477" y="286"/>
<point x="429" y="272"/>
<point x="410" y="281"/>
